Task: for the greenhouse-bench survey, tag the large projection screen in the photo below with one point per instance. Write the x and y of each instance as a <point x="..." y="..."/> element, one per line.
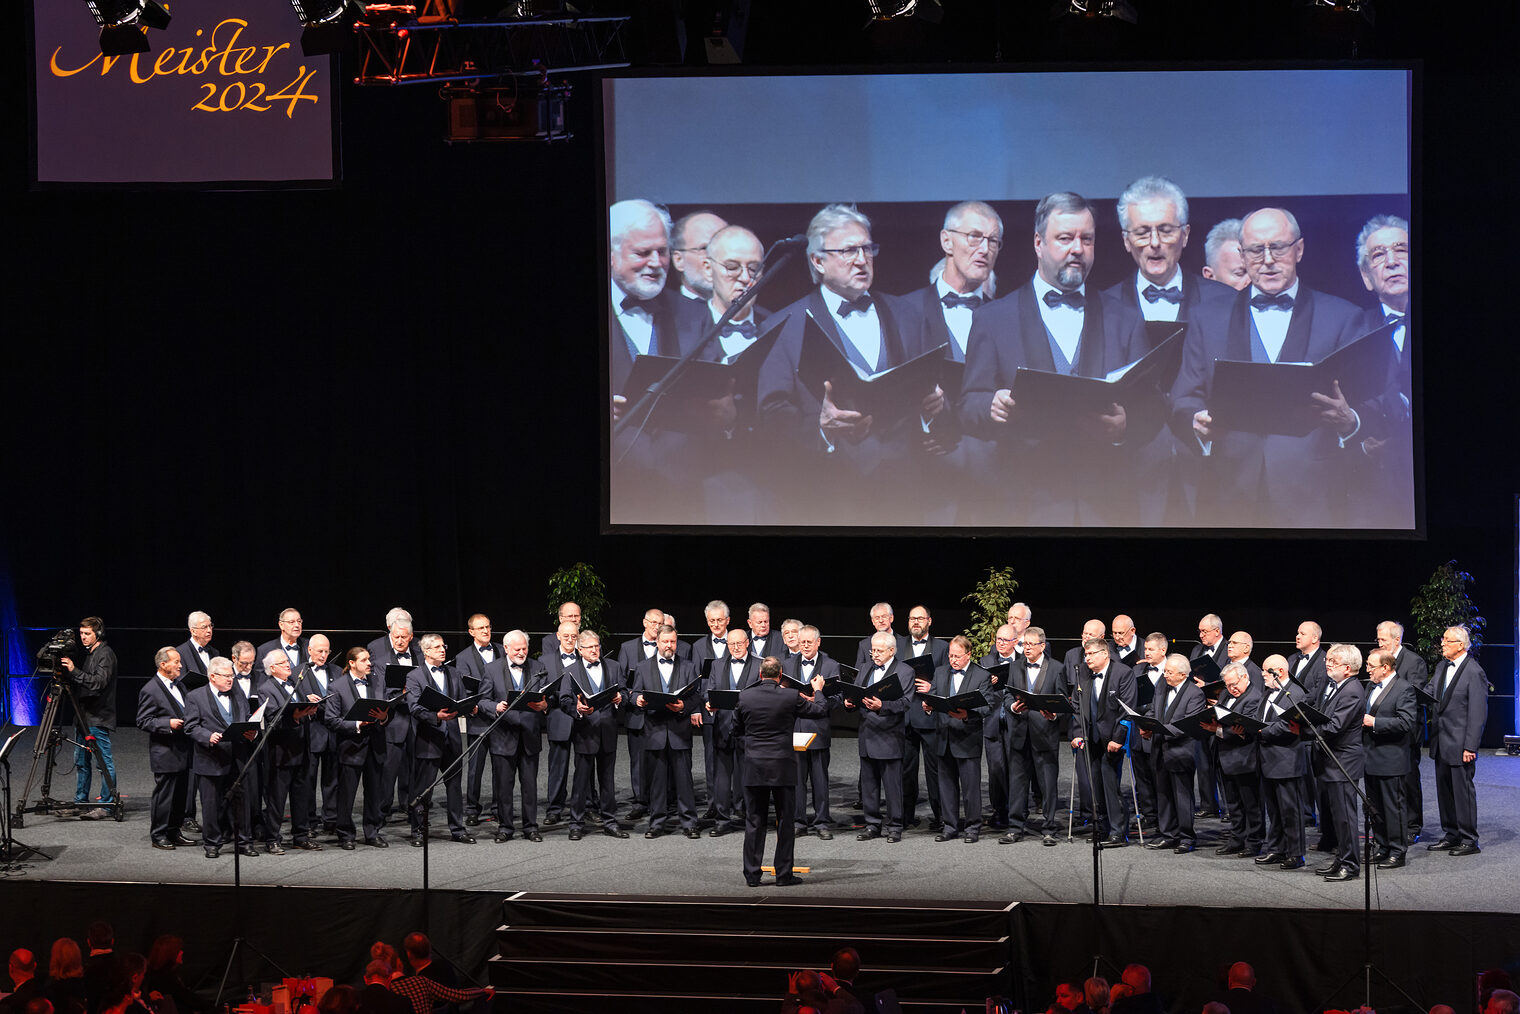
<point x="1218" y="431"/>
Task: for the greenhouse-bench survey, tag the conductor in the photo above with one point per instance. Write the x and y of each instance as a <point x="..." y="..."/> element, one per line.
<point x="765" y="715"/>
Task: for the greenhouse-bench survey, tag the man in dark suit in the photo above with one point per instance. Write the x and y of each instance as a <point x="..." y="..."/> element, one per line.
<point x="873" y="332"/>
<point x="361" y="750"/>
<point x="568" y="612"/>
<point x="642" y="322"/>
<point x="1387" y="727"/>
<point x="197" y="651"/>
<point x="714" y="646"/>
<point x="288" y="641"/>
<point x="1284" y="757"/>
<point x="1306" y="666"/>
<point x="881" y="740"/>
<point x="1385" y="466"/>
<point x="95" y="686"/>
<point x="1222" y="260"/>
<point x="1338" y="760"/>
<point x="763" y="638"/>
<point x="690" y="259"/>
<point x="1211" y="642"/>
<point x="593" y="736"/>
<point x="813" y="763"/>
<point x="765" y="718"/>
<point x="1074" y="666"/>
<point x="1239" y="762"/>
<point x="998" y="725"/>
<point x="1153" y="219"/>
<point x="1409" y="667"/>
<point x="1250" y="479"/>
<point x="735" y="671"/>
<point x="1128" y="646"/>
<point x="397" y="649"/>
<point x="161" y="714"/>
<point x="668" y="733"/>
<point x="1055" y="473"/>
<point x="247" y="674"/>
<point x="1148" y="679"/>
<point x="559" y="658"/>
<point x="313" y="685"/>
<point x="516" y="740"/>
<point x="1099" y="688"/>
<point x="209" y="710"/>
<point x="957" y="741"/>
<point x="1172" y="756"/>
<point x="471" y="663"/>
<point x="438" y="745"/>
<point x="631" y="654"/>
<point x="1461" y="691"/>
<point x="921" y="727"/>
<point x="882" y="618"/>
<point x="1033" y="737"/>
<point x="288" y="716"/>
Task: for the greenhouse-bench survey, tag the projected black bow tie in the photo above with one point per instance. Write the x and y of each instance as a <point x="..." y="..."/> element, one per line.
<point x="1393" y="318"/>
<point x="632" y="303"/>
<point x="1055" y="298"/>
<point x="1262" y="301"/>
<point x="746" y="328"/>
<point x="858" y="305"/>
<point x="1171" y="295"/>
<point x="952" y="300"/>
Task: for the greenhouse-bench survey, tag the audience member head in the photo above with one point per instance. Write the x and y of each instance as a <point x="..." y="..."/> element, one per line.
<point x="38" y="1005"/>
<point x="377" y="971"/>
<point x="167" y="952"/>
<point x="807" y="986"/>
<point x="845" y="964"/>
<point x="65" y="962"/>
<point x="339" y="1000"/>
<point x="1068" y="996"/>
<point x="419" y="950"/>
<point x="100" y="936"/>
<point x="23" y="965"/>
<point x="1242" y="976"/>
<point x="1441" y="1008"/>
<point x="1095" y="993"/>
<point x="1502" y="1001"/>
<point x="1138" y="978"/>
<point x="382" y="951"/>
<point x="1491" y="979"/>
<point x="1215" y="1007"/>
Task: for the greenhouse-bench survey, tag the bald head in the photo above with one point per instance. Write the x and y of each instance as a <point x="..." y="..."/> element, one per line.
<point x="1242" y="976"/>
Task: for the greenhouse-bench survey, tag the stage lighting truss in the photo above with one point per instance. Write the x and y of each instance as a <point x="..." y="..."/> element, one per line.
<point x="399" y="47"/>
<point x="124" y="24"/>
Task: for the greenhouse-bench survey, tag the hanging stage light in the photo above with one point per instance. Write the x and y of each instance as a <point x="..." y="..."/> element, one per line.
<point x="326" y="25"/>
<point x="124" y="24"/>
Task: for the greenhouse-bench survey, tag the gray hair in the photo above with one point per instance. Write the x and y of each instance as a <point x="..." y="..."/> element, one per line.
<point x="1182" y="660"/>
<point x="831" y="217"/>
<point x="1038" y="633"/>
<point x="236" y="651"/>
<point x="1155" y="636"/>
<point x="405" y="624"/>
<point x="272" y="656"/>
<point x="1063" y="201"/>
<point x="1298" y="233"/>
<point x="1373" y="225"/>
<point x="1393" y="627"/>
<point x="1148" y="188"/>
<point x="716" y="606"/>
<point x="161" y="656"/>
<point x="398" y="613"/>
<point x="1461" y="634"/>
<point x="196" y="619"/>
<point x="625" y="216"/>
<point x="807" y="627"/>
<point x="956" y="213"/>
<point x="428" y="640"/>
<point x="1212" y="621"/>
<point x="220" y="664"/>
<point x="1238" y="668"/>
<point x="512" y="635"/>
<point x="759" y="607"/>
<point x="1224" y="232"/>
<point x="1346" y="654"/>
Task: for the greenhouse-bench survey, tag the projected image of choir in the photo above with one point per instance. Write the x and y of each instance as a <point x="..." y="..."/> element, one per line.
<point x="1241" y="397"/>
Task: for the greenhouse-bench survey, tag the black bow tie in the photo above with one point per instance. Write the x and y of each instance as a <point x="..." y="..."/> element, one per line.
<point x="666" y="661"/>
<point x="592" y="665"/>
<point x="565" y="657"/>
<point x="633" y="303"/>
<point x="746" y="328"/>
<point x="810" y="661"/>
<point x="1055" y="297"/>
<point x="1172" y="294"/>
<point x="923" y="640"/>
<point x="649" y="644"/>
<point x="224" y="695"/>
<point x="857" y="305"/>
<point x="952" y="300"/>
<point x="1262" y="301"/>
<point x="957" y="672"/>
<point x="515" y="665"/>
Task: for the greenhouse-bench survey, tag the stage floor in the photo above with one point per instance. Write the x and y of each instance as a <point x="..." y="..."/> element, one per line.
<point x="916" y="869"/>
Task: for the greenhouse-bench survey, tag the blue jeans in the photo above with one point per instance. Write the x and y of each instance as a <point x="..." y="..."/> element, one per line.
<point x="82" y="759"/>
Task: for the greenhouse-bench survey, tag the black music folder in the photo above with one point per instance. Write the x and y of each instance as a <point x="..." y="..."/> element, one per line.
<point x="192" y="681"/>
<point x="797" y="683"/>
<point x="1423" y="696"/>
<point x="1146" y="722"/>
<point x="362" y="708"/>
<point x="969" y="700"/>
<point x="1275" y="397"/>
<point x="704" y="379"/>
<point x="889" y="395"/>
<point x="888" y="688"/>
<point x="1204" y="668"/>
<point x="999" y="673"/>
<point x="536" y="694"/>
<point x="723" y="700"/>
<point x="395" y="676"/>
<point x="1213" y="689"/>
<point x="433" y="700"/>
<point x="1062" y="396"/>
<point x="1314" y="715"/>
<point x="600" y="700"/>
<point x="1053" y="703"/>
<point x="1228" y="718"/>
<point x="1191" y="725"/>
<point x="656" y="699"/>
<point x="922" y="666"/>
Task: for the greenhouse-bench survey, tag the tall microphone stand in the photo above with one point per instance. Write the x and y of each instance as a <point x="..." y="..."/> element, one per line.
<point x="1367" y="812"/>
<point x="645" y="406"/>
<point x="234" y="803"/>
<point x="1077" y="700"/>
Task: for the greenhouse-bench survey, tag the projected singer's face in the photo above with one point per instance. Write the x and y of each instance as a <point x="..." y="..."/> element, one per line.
<point x="1064" y="251"/>
<point x="972" y="264"/>
<point x="1272" y="251"/>
<point x="1387" y="270"/>
<point x="851" y="276"/>
<point x="1156" y="258"/>
<point x="641" y="261"/>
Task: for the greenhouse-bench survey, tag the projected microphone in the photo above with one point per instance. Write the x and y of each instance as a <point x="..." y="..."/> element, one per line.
<point x="782" y="244"/>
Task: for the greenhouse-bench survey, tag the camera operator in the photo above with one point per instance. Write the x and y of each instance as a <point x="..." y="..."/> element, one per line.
<point x="95" y="684"/>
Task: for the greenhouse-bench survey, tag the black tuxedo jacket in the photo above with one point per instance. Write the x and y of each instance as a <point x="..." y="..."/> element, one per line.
<point x="818" y="725"/>
<point x="764" y="720"/>
<point x="863" y="650"/>
<point x="1170" y="704"/>
<point x="1461" y="710"/>
<point x="961" y="737"/>
<point x="470" y="663"/>
<point x="666" y="342"/>
<point x="435" y="738"/>
<point x="168" y="749"/>
<point x="998" y="716"/>
<point x="192" y="658"/>
<point x="1197" y="292"/>
<point x="1118" y="685"/>
<point x="307" y="682"/>
<point x="665" y="729"/>
<point x="598" y="731"/>
<point x="558" y="721"/>
<point x="1031" y="727"/>
<point x="381" y="654"/>
<point x="882" y="734"/>
<point x="521" y="732"/>
<point x="1385" y="744"/>
<point x="1282" y="752"/>
<point x="203" y="717"/>
<point x="271" y="645"/>
<point x="290" y="740"/>
<point x="725" y="732"/>
<point x="354" y="744"/>
<point x="1314" y="676"/>
<point x="1343" y="733"/>
<point x="1240" y="755"/>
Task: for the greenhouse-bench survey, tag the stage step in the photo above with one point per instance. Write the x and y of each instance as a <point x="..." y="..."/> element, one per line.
<point x="573" y="952"/>
<point x="558" y="1001"/>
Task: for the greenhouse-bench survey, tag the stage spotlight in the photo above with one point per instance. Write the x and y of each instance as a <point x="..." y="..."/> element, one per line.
<point x="923" y="10"/>
<point x="326" y="25"/>
<point x="1120" y="10"/>
<point x="124" y="24"/>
